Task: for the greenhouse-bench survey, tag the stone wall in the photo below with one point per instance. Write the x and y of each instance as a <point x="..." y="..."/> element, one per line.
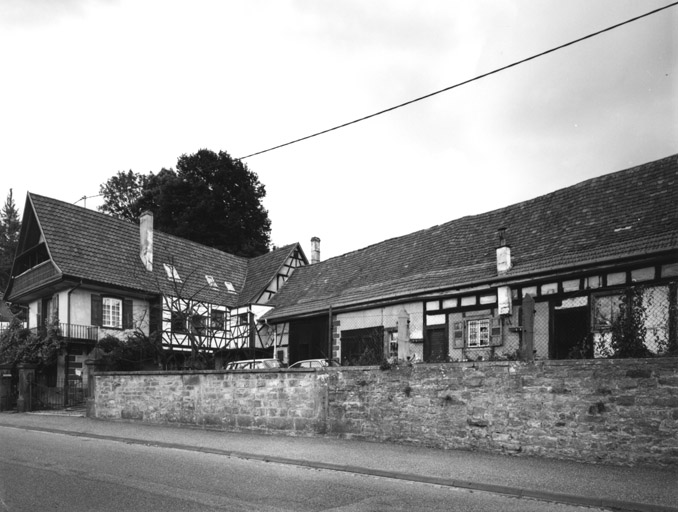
<point x="612" y="411"/>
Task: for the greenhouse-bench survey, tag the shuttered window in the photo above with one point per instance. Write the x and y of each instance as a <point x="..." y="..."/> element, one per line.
<point x="112" y="312"/>
<point x="478" y="332"/>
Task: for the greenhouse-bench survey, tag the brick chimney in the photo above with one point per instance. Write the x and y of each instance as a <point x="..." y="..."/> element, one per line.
<point x="315" y="250"/>
<point x="146" y="239"/>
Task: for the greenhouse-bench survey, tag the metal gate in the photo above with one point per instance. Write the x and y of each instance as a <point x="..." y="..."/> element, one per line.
<point x="69" y="393"/>
<point x="9" y="390"/>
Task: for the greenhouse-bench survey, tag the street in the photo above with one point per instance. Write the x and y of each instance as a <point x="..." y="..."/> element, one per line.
<point x="45" y="471"/>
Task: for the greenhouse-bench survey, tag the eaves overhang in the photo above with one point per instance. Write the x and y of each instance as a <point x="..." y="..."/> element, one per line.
<point x="342" y="305"/>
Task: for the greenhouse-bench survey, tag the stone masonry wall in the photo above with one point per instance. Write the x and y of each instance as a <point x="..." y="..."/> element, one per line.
<point x="611" y="411"/>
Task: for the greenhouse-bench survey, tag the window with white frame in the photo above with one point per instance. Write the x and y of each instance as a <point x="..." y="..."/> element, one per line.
<point x="112" y="312"/>
<point x="392" y="337"/>
<point x="478" y="333"/>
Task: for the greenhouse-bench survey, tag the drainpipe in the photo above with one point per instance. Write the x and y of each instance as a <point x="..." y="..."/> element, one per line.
<point x="68" y="322"/>
<point x="330" y="332"/>
<point x="275" y="336"/>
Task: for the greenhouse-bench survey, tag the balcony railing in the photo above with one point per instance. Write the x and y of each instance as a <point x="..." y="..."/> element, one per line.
<point x="75" y="332"/>
<point x="79" y="332"/>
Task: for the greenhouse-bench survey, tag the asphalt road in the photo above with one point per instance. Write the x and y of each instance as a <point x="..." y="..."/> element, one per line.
<point x="45" y="471"/>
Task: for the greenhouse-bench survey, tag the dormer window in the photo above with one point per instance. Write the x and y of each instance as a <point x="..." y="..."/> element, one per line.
<point x="172" y="273"/>
<point x="229" y="286"/>
<point x="211" y="282"/>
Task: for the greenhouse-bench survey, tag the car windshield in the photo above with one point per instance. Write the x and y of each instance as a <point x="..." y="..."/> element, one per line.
<point x="253" y="364"/>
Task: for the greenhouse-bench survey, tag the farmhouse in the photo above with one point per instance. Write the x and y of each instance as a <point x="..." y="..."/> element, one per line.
<point x="591" y="260"/>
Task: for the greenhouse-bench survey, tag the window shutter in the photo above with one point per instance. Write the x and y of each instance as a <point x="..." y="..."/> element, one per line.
<point x="495" y="332"/>
<point x="97" y="313"/>
<point x="127" y="321"/>
<point x="38" y="314"/>
<point x="458" y="334"/>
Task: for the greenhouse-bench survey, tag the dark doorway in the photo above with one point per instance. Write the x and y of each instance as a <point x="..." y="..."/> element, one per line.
<point x="435" y="345"/>
<point x="571" y="338"/>
<point x="309" y="339"/>
<point x="362" y="347"/>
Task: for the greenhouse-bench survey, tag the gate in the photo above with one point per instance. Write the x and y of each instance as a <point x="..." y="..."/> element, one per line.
<point x="70" y="393"/>
<point x="9" y="390"/>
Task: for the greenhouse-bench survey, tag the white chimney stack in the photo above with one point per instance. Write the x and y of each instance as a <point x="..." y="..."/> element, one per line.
<point x="504" y="263"/>
<point x="146" y="239"/>
<point x="315" y="250"/>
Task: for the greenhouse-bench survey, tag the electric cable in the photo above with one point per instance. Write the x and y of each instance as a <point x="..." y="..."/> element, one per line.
<point x="459" y="84"/>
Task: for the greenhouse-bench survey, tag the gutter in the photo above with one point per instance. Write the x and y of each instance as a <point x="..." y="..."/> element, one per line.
<point x="556" y="271"/>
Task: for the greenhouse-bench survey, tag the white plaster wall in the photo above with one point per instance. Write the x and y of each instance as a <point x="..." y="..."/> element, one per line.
<point x="81" y="312"/>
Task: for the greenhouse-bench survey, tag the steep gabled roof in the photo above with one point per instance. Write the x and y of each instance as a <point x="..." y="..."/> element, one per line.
<point x="262" y="269"/>
<point x="94" y="247"/>
<point x="623" y="214"/>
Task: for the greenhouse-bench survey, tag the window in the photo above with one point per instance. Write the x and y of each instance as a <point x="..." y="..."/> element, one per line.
<point x="211" y="282"/>
<point x="198" y="324"/>
<point x="172" y="273"/>
<point x="112" y="312"/>
<point x="218" y="320"/>
<point x="229" y="286"/>
<point x="392" y="338"/>
<point x="178" y="322"/>
<point x="478" y="333"/>
<point x="606" y="310"/>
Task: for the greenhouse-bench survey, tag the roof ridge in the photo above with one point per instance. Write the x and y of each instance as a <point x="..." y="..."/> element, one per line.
<point x="129" y="223"/>
<point x="602" y="177"/>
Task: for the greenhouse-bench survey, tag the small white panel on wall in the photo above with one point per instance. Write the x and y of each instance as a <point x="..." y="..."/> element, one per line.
<point x="504" y="300"/>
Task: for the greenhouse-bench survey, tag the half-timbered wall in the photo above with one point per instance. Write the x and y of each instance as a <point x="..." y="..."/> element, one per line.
<point x="293" y="262"/>
<point x="207" y="324"/>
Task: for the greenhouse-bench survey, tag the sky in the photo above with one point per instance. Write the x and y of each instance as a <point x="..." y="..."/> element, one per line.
<point x="89" y="88"/>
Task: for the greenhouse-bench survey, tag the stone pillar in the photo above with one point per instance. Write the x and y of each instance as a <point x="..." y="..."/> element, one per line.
<point x="403" y="334"/>
<point x="93" y="366"/>
<point x="26" y="382"/>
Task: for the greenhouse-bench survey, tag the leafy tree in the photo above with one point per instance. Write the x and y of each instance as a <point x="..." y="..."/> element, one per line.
<point x="21" y="345"/>
<point x="210" y="198"/>
<point x="121" y="195"/>
<point x="10" y="225"/>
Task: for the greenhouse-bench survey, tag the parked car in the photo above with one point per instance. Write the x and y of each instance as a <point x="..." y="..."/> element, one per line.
<point x="254" y="364"/>
<point x="314" y="363"/>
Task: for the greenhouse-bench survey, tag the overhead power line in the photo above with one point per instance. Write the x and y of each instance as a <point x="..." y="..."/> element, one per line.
<point x="495" y="71"/>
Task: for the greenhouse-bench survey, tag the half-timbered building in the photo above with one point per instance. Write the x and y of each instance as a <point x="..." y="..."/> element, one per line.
<point x="94" y="276"/>
<point x="559" y="276"/>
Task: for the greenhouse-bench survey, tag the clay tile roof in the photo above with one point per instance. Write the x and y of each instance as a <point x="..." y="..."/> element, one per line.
<point x="92" y="246"/>
<point x="623" y="214"/>
<point x="261" y="270"/>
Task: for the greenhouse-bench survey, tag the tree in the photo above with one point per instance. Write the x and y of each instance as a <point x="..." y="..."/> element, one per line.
<point x="121" y="195"/>
<point x="10" y="225"/>
<point x="210" y="198"/>
<point x="21" y="345"/>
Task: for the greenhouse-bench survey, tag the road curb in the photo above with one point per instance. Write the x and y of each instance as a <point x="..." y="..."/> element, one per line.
<point x="517" y="492"/>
